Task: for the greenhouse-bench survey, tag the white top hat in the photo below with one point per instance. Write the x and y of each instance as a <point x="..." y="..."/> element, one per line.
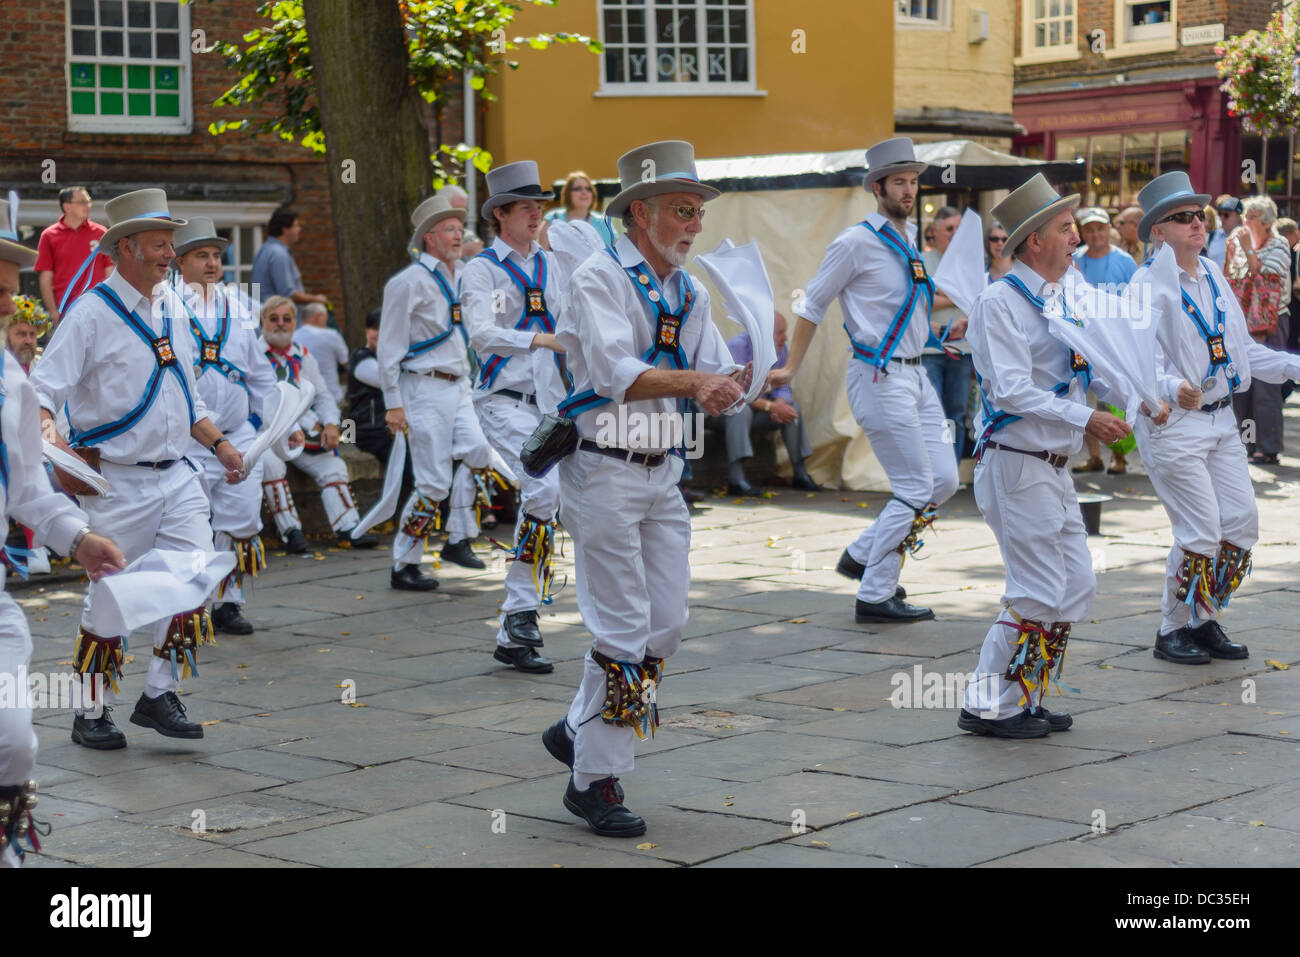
<point x="11" y="250"/>
<point x="199" y="231"/>
<point x="895" y="155"/>
<point x="511" y="182"/>
<point x="431" y="212"/>
<point x="1028" y="207"/>
<point x="656" y="168"/>
<point x="136" y="212"/>
<point x="1164" y="193"/>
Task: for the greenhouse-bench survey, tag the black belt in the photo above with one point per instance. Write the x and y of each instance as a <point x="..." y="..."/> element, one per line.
<point x="914" y="361"/>
<point x="518" y="396"/>
<point x="164" y="464"/>
<point x="437" y="374"/>
<point x="649" y="459"/>
<point x="1216" y="406"/>
<point x="1055" y="461"/>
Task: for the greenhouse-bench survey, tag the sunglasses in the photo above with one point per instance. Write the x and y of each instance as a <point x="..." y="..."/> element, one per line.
<point x="685" y="213"/>
<point x="997" y="239"/>
<point x="1185" y="217"/>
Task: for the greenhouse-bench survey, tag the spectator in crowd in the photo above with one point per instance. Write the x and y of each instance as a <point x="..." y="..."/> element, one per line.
<point x="948" y="365"/>
<point x="325" y="344"/>
<point x="470" y="244"/>
<point x="578" y="201"/>
<point x="1290" y="231"/>
<point x="275" y="273"/>
<point x="1229" y="209"/>
<point x="64" y="248"/>
<point x="997" y="258"/>
<point x="1101" y="263"/>
<point x="1259" y="269"/>
<point x="1211" y="225"/>
<point x="1127" y="224"/>
<point x="26" y="326"/>
<point x="775" y="409"/>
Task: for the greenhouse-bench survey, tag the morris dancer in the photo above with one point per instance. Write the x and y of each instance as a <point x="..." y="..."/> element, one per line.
<point x="1197" y="463"/>
<point x="234" y="381"/>
<point x="885" y="294"/>
<point x="123" y="363"/>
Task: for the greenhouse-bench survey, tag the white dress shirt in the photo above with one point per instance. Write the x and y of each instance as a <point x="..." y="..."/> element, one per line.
<point x="228" y="403"/>
<point x="492" y="330"/>
<point x="329" y="350"/>
<point x="415" y="310"/>
<point x="1019" y="363"/>
<point x="607" y="330"/>
<point x="28" y="497"/>
<point x="872" y="282"/>
<point x="99" y="367"/>
<point x="324" y="410"/>
<point x="1251" y="359"/>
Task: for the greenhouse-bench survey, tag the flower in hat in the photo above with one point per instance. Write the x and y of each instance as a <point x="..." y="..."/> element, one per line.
<point x="30" y="312"/>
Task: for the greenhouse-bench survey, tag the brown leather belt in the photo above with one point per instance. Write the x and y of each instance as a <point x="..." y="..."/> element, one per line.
<point x="1055" y="461"/>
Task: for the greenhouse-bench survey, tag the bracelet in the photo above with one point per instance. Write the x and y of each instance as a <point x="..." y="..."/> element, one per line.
<point x="213" y="447"/>
<point x="77" y="540"/>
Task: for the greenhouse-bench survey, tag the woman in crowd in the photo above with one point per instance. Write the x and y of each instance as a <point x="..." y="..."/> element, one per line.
<point x="578" y="201"/>
<point x="997" y="258"/>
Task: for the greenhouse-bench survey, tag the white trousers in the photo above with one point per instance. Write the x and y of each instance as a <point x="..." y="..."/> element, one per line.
<point x="442" y="426"/>
<point x="1035" y="516"/>
<point x="236" y="509"/>
<point x="631" y="543"/>
<point x="508" y="423"/>
<point x="151" y="509"/>
<point x="17" y="739"/>
<point x="331" y="475"/>
<point x="1197" y="465"/>
<point x="904" y="422"/>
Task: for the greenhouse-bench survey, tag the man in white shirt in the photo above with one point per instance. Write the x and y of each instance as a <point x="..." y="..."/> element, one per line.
<point x="1198" y="463"/>
<point x="326" y="346"/>
<point x="122" y="360"/>
<point x="1033" y="414"/>
<point x="234" y="381"/>
<point x="424" y="369"/>
<point x="885" y="294"/>
<point x="639" y="340"/>
<point x="26" y="497"/>
<point x="512" y="293"/>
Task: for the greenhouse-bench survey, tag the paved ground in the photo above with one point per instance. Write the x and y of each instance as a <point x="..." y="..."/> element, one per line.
<point x="777" y="713"/>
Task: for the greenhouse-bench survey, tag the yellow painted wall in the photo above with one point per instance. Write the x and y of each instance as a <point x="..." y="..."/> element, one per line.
<point x="941" y="68"/>
<point x="837" y="95"/>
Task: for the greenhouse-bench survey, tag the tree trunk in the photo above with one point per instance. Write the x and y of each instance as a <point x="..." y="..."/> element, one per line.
<point x="376" y="148"/>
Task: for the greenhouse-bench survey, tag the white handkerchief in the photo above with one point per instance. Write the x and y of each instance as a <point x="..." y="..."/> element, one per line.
<point x="75" y="466"/>
<point x="387" y="503"/>
<point x="282" y="410"/>
<point x="572" y="243"/>
<point x="960" y="275"/>
<point x="739" y="274"/>
<point x="158" y="584"/>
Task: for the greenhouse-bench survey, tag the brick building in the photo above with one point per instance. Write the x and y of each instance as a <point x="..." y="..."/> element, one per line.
<point x="1130" y="86"/>
<point x="117" y="95"/>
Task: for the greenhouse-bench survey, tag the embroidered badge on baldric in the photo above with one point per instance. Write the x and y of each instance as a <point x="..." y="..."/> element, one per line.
<point x="1077" y="362"/>
<point x="918" y="270"/>
<point x="1217" y="352"/>
<point x="536" y="302"/>
<point x="163" y="350"/>
<point x="455" y="314"/>
<point x="209" y="352"/>
<point x="669" y="328"/>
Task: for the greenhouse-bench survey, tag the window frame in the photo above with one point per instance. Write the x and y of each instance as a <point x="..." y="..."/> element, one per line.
<point x="909" y="22"/>
<point x="652" y="86"/>
<point x="1124" y="48"/>
<point x="126" y="123"/>
<point x="1029" y="53"/>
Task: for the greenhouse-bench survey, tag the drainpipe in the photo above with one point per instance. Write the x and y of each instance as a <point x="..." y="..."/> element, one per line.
<point x="471" y="173"/>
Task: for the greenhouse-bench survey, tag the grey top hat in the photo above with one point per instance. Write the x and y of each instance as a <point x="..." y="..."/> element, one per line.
<point x="431" y="212"/>
<point x="1166" y="192"/>
<point x="136" y="212"/>
<point x="654" y="169"/>
<point x="199" y="231"/>
<point x="1029" y="207"/>
<point x="511" y="182"/>
<point x="895" y="155"/>
<point x="11" y="250"/>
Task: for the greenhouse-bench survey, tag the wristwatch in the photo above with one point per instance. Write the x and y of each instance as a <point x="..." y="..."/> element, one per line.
<point x="213" y="447"/>
<point x="77" y="540"/>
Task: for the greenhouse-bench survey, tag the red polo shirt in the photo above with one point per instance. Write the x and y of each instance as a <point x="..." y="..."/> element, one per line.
<point x="62" y="250"/>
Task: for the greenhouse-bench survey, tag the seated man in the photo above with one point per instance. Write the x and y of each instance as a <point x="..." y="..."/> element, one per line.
<point x="773" y="410"/>
<point x="318" y="434"/>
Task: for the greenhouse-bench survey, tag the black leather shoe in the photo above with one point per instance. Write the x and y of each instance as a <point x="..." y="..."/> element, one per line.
<point x="1022" y="725"/>
<point x="524" y="659"/>
<point x="743" y="489"/>
<point x="557" y="742"/>
<point x="804" y="482"/>
<point x="361" y="541"/>
<point x="227" y="619"/>
<point x="1209" y="637"/>
<point x="602" y="807"/>
<point x="522" y="628"/>
<point x="411" y="579"/>
<point x="1180" y="649"/>
<point x="891" y="609"/>
<point x="461" y="554"/>
<point x="166" y="715"/>
<point x="295" y="542"/>
<point x="1056" y="720"/>
<point x="100" y="734"/>
<point x="851" y="568"/>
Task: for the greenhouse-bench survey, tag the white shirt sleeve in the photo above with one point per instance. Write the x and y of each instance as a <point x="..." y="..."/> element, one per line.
<point x="64" y="358"/>
<point x="394" y="337"/>
<point x="489" y="334"/>
<point x="326" y="409"/>
<point x="597" y="328"/>
<point x="53" y="517"/>
<point x="367" y="371"/>
<point x="838" y="268"/>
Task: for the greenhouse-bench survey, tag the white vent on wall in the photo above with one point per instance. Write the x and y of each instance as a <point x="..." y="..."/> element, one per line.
<point x="979" y="26"/>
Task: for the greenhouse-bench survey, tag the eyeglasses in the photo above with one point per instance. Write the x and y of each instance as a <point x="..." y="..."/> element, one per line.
<point x="684" y="212"/>
<point x="579" y="188"/>
<point x="1185" y="217"/>
<point x="997" y="239"/>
